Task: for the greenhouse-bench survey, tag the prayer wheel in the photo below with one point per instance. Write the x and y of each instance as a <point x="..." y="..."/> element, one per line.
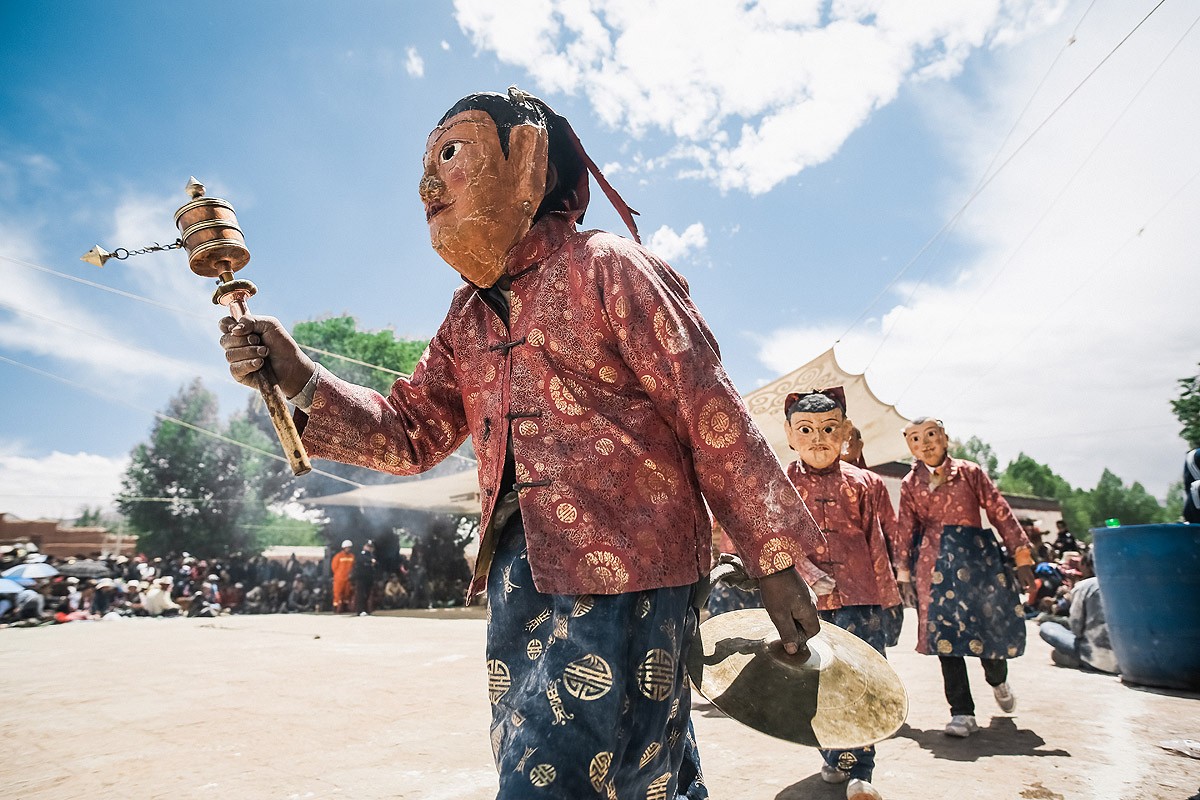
<point x="215" y="246"/>
<point x="209" y="230"/>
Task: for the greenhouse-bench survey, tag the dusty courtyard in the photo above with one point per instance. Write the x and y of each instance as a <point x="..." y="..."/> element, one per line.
<point x="307" y="706"/>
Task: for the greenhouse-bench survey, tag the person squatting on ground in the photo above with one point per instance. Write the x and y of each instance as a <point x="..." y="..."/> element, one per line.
<point x="966" y="597"/>
<point x="603" y="419"/>
<point x="844" y="504"/>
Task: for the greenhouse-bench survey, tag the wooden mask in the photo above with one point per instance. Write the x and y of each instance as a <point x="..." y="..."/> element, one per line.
<point x="480" y="201"/>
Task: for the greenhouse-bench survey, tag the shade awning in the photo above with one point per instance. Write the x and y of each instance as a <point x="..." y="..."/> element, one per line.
<point x="881" y="424"/>
<point x="449" y="494"/>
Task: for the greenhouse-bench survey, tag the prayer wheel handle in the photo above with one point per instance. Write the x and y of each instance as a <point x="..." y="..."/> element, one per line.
<point x="216" y="249"/>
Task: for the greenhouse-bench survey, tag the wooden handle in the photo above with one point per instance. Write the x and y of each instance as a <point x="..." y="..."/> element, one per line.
<point x="285" y="428"/>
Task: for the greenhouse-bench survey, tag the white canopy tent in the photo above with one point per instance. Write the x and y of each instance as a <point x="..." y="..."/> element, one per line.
<point x="881" y="424"/>
<point x="450" y="494"/>
<point x="881" y="427"/>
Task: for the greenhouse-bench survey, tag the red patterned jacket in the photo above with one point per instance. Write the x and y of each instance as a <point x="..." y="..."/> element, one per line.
<point x="621" y="417"/>
<point x="925" y="511"/>
<point x="843" y="502"/>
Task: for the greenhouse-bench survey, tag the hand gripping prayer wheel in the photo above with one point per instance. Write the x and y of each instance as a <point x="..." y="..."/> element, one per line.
<point x="840" y="695"/>
<point x="216" y="249"/>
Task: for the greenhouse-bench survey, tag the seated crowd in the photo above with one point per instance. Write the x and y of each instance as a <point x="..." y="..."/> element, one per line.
<point x="184" y="585"/>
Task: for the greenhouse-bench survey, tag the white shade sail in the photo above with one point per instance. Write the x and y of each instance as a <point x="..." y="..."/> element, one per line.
<point x="450" y="494"/>
<point x="881" y="427"/>
<point x="881" y="424"/>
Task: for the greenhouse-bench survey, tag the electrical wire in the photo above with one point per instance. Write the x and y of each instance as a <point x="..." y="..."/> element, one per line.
<point x="177" y="310"/>
<point x="168" y="418"/>
<point x="998" y="273"/>
<point x="985" y="182"/>
<point x="1101" y="269"/>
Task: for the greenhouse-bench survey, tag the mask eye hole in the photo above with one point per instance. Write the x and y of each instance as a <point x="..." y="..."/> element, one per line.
<point x="449" y="151"/>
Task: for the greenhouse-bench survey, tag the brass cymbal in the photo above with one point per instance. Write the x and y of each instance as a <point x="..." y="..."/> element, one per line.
<point x="842" y="695"/>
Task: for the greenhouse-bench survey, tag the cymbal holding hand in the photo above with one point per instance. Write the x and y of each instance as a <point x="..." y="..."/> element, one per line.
<point x="252" y="341"/>
<point x="792" y="607"/>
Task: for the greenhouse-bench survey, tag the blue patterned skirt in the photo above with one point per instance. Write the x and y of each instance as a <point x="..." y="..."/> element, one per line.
<point x="589" y="693"/>
<point x="869" y="624"/>
<point x="893" y="624"/>
<point x="974" y="607"/>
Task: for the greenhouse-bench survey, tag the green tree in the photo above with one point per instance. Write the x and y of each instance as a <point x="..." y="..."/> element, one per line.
<point x="90" y="517"/>
<point x="1187" y="409"/>
<point x="979" y="451"/>
<point x="277" y="529"/>
<point x="1133" y="505"/>
<point x="184" y="489"/>
<point x="1024" y="475"/>
<point x="381" y="348"/>
<point x="1176" y="497"/>
<point x="341" y="335"/>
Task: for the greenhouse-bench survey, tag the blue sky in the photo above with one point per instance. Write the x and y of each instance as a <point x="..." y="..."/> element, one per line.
<point x="789" y="158"/>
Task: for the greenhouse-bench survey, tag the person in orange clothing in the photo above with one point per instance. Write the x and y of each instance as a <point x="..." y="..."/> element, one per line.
<point x="341" y="564"/>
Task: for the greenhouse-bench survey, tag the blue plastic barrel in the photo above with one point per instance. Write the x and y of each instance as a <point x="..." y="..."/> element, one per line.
<point x="1150" y="584"/>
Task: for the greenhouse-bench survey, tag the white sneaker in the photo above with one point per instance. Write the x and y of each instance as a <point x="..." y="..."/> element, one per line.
<point x="1005" y="698"/>
<point x="862" y="790"/>
<point x="833" y="774"/>
<point x="962" y="726"/>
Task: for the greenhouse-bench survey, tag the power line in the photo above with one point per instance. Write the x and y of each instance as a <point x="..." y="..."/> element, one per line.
<point x="997" y="274"/>
<point x="27" y="313"/>
<point x="1104" y="266"/>
<point x="985" y="182"/>
<point x="168" y="418"/>
<point x="174" y="309"/>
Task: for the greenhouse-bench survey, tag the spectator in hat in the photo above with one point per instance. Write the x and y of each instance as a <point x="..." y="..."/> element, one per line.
<point x="211" y="590"/>
<point x="256" y="600"/>
<point x="158" y="602"/>
<point x="234" y="597"/>
<point x="103" y="596"/>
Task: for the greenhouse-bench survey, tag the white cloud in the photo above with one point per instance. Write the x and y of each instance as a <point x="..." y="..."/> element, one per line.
<point x="1064" y="333"/>
<point x="414" y="65"/>
<point x="753" y="92"/>
<point x="39" y="317"/>
<point x="672" y="246"/>
<point x="445" y="45"/>
<point x="58" y="485"/>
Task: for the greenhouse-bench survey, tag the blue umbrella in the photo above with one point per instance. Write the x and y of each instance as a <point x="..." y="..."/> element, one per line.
<point x="10" y="587"/>
<point x="28" y="573"/>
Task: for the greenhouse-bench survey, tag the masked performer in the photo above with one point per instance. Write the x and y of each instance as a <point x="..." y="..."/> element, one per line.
<point x="966" y="592"/>
<point x="843" y="502"/>
<point x="893" y="605"/>
<point x="603" y="419"/>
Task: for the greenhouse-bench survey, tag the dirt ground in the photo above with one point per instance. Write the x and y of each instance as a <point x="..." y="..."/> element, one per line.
<point x="315" y="706"/>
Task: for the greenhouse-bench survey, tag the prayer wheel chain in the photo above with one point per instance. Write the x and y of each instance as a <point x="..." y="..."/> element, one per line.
<point x="122" y="253"/>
